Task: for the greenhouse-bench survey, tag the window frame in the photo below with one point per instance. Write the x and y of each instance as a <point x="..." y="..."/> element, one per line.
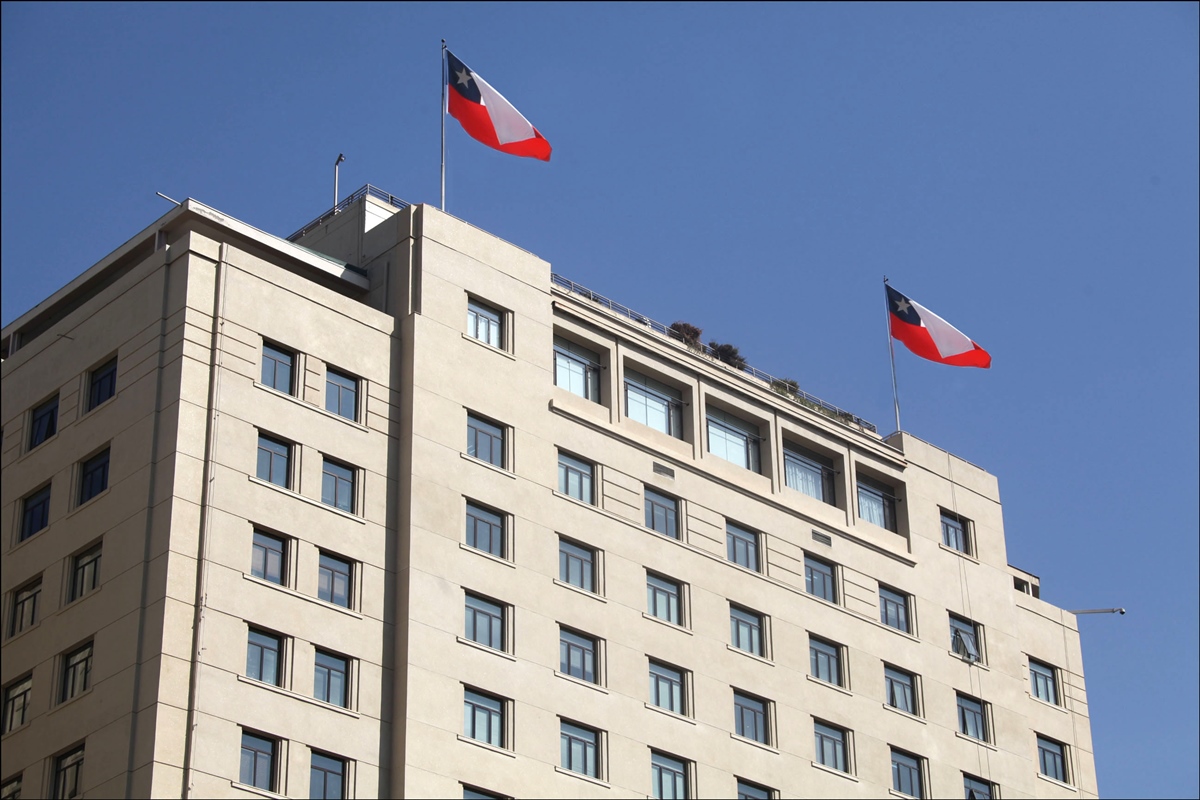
<point x="10" y="789"/>
<point x="755" y="622"/>
<point x="739" y="541"/>
<point x="496" y="710"/>
<point x="822" y="653"/>
<point x="580" y="733"/>
<point x="569" y="467"/>
<point x="827" y="570"/>
<point x="577" y="357"/>
<point x="973" y="713"/>
<point x="827" y="733"/>
<point x="669" y="517"/>
<point x="496" y="531"/>
<point x="897" y="599"/>
<point x="957" y="533"/>
<point x="16" y="702"/>
<point x="799" y="462"/>
<point x="258" y="543"/>
<point x="733" y="428"/>
<point x="679" y="775"/>
<point x="76" y="675"/>
<point x="895" y="676"/>
<point x="759" y="709"/>
<point x="351" y="583"/>
<point x="93" y="475"/>
<point x="274" y="378"/>
<point x="100" y="380"/>
<point x="260" y="639"/>
<point x="43" y="423"/>
<point x="571" y="640"/>
<point x="494" y="328"/>
<point x="35" y="510"/>
<point x="335" y="380"/>
<point x="571" y="552"/>
<point x="1043" y="678"/>
<point x="332" y="661"/>
<point x="481" y="429"/>
<point x="270" y="447"/>
<point x="85" y="572"/>
<point x="342" y="478"/>
<point x="29" y="594"/>
<point x="657" y="594"/>
<point x="674" y="680"/>
<point x="654" y="395"/>
<point x="969" y="791"/>
<point x="67" y="775"/>
<point x="908" y="768"/>
<point x="959" y="633"/>
<point x="749" y="790"/>
<point x="476" y="606"/>
<point x="885" y="495"/>
<point x="313" y="767"/>
<point x="1048" y="747"/>
<point x="272" y="760"/>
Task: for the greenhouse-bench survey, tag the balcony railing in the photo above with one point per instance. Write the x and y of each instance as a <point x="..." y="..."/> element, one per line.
<point x="349" y="201"/>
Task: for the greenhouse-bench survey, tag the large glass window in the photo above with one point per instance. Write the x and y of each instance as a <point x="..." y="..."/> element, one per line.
<point x="831" y="746"/>
<point x="1042" y="680"/>
<point x="750" y="718"/>
<point x="35" y="512"/>
<point x="955" y="533"/>
<point x="483" y="717"/>
<point x="746" y="630"/>
<point x="575" y="478"/>
<point x="85" y="572"/>
<point x="971" y="720"/>
<point x="485" y="530"/>
<point x="663" y="598"/>
<point x="893" y="609"/>
<point x="262" y="657"/>
<point x="484" y="323"/>
<point x="334" y="581"/>
<point x="666" y="687"/>
<point x="341" y="394"/>
<point x="1051" y="759"/>
<point x="331" y="679"/>
<point x="77" y="673"/>
<point x="577" y="565"/>
<point x="102" y="384"/>
<point x="576" y="369"/>
<point x="818" y="579"/>
<point x="753" y="791"/>
<point x="976" y="788"/>
<point x="807" y="472"/>
<point x="579" y="749"/>
<point x="485" y="440"/>
<point x="337" y="486"/>
<point x="741" y="546"/>
<point x="825" y="660"/>
<point x="277" y="368"/>
<point x="668" y="777"/>
<point x="900" y="689"/>
<point x="93" y="476"/>
<point x="273" y="461"/>
<point x="733" y="439"/>
<point x="876" y="503"/>
<point x="577" y="655"/>
<point x="326" y="777"/>
<point x="653" y="404"/>
<point x="43" y="422"/>
<point x="267" y="558"/>
<point x="68" y="771"/>
<point x="964" y="638"/>
<point x="661" y="512"/>
<point x="258" y="761"/>
<point x="906" y="773"/>
<point x="484" y="622"/>
<point x="16" y="703"/>
<point x="25" y="607"/>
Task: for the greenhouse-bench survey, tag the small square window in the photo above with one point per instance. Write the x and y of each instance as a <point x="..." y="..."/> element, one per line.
<point x="577" y="565"/>
<point x="977" y="788"/>
<point x="258" y="761"/>
<point x="819" y="579"/>
<point x="742" y="547"/>
<point x="831" y="746"/>
<point x="93" y="476"/>
<point x="326" y="777"/>
<point x="972" y="719"/>
<point x="277" y="368"/>
<point x="85" y="573"/>
<point x="877" y="503"/>
<point x="485" y="440"/>
<point x="263" y="657"/>
<point x="1043" y="681"/>
<point x="485" y="530"/>
<point x="102" y="384"/>
<point x="906" y="774"/>
<point x="893" y="609"/>
<point x="747" y="790"/>
<point x="331" y="679"/>
<point x="751" y="717"/>
<point x="746" y="630"/>
<point x="68" y="773"/>
<point x="578" y="655"/>
<point x="575" y="478"/>
<point x="825" y="661"/>
<point x="668" y="777"/>
<point x="653" y="404"/>
<point x="43" y="422"/>
<point x="483" y="717"/>
<point x="77" y="673"/>
<point x="807" y="472"/>
<point x="900" y="689"/>
<point x="664" y="599"/>
<point x="268" y="558"/>
<point x="956" y="532"/>
<point x="485" y="323"/>
<point x="337" y="485"/>
<point x="1052" y="759"/>
<point x="16" y="703"/>
<point x="484" y="622"/>
<point x="580" y="749"/>
<point x="577" y="369"/>
<point x="35" y="512"/>
<point x="667" y="688"/>
<point x="661" y="513"/>
<point x="733" y="439"/>
<point x="274" y="461"/>
<point x="335" y="581"/>
<point x="965" y="638"/>
<point x="25" y="607"/>
<point x="341" y="394"/>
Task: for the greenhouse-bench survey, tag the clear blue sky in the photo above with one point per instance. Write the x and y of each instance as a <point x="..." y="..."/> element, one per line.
<point x="1029" y="172"/>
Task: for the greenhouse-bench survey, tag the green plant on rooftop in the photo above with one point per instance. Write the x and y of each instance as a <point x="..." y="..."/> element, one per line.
<point x="785" y="386"/>
<point x="689" y="334"/>
<point x="728" y="354"/>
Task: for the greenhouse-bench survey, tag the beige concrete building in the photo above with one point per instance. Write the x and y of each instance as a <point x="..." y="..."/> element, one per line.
<point x="388" y="509"/>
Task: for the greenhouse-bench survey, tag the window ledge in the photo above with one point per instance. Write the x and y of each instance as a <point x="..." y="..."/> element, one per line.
<point x="245" y="787"/>
<point x="829" y="685"/>
<point x="485" y="648"/>
<point x="488" y="347"/>
<point x="593" y="686"/>
<point x="578" y="590"/>
<point x="77" y="600"/>
<point x="576" y="500"/>
<point x="289" y="591"/>
<point x="894" y="793"/>
<point x="973" y="740"/>
<point x="309" y="406"/>
<point x="26" y="630"/>
<point x="670" y="625"/>
<point x="295" y="696"/>
<point x="970" y="662"/>
<point x="582" y="777"/>
<point x="1031" y="696"/>
<point x="79" y="507"/>
<point x="40" y="444"/>
<point x="17" y="729"/>
<point x="669" y="713"/>
<point x="309" y="500"/>
<point x="833" y="771"/>
<point x="959" y="553"/>
<point x="905" y="714"/>
<point x="489" y="747"/>
<point x="71" y="700"/>
<point x="1057" y="782"/>
<point x="21" y="542"/>
<point x="487" y="555"/>
<point x="906" y="634"/>
<point x="748" y="654"/>
<point x="87" y="412"/>
<point x="760" y="745"/>
<point x="489" y="465"/>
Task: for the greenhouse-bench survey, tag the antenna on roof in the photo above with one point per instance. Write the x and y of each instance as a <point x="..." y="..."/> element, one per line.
<point x="341" y="157"/>
<point x="164" y="197"/>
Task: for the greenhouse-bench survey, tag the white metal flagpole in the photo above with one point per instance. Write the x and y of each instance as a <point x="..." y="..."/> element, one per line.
<point x="891" y="349"/>
<point x="443" y="124"/>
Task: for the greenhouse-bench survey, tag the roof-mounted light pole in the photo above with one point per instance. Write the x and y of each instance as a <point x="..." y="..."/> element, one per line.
<point x="1120" y="611"/>
<point x="340" y="159"/>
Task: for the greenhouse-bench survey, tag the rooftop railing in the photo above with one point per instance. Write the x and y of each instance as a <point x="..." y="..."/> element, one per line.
<point x="349" y="201"/>
<point x="784" y="388"/>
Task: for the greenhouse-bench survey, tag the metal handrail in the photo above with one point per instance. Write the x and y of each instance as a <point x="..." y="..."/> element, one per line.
<point x="779" y="386"/>
<point x="349" y="201"/>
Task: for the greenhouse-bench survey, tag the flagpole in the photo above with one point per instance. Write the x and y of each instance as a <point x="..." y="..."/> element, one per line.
<point x="892" y="350"/>
<point x="443" y="124"/>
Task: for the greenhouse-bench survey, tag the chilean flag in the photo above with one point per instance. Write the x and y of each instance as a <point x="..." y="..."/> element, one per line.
<point x="929" y="336"/>
<point x="487" y="117"/>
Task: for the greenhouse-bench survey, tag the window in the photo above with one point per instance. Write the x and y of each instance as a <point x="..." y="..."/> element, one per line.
<point x="35" y="512"/>
<point x="16" y="703"/>
<point x="326" y="777"/>
<point x="668" y="777"/>
<point x="661" y="512"/>
<point x="262" y="657"/>
<point x="577" y="655"/>
<point x="341" y="394"/>
<point x="906" y="773"/>
<point x="666" y="688"/>
<point x="273" y="458"/>
<point x="579" y="749"/>
<point x="576" y="369"/>
<point x="577" y="565"/>
<point x="900" y="689"/>
<point x="831" y="746"/>
<point x="971" y="719"/>
<point x="334" y="581"/>
<point x="484" y="622"/>
<point x="337" y="486"/>
<point x="277" y="368"/>
<point x="85" y="572"/>
<point x="258" y="761"/>
<point x="746" y="630"/>
<point x="93" y="476"/>
<point x="11" y="789"/>
<point x="653" y="404"/>
<point x="102" y="384"/>
<point x="331" y="679"/>
<point x="1052" y="759"/>
<point x="825" y="660"/>
<point x="471" y="793"/>
<point x="964" y="638"/>
<point x="484" y="324"/>
<point x="733" y="439"/>
<point x="893" y="609"/>
<point x="25" y="607"/>
<point x="575" y="478"/>
<point x="43" y="422"/>
<point x="663" y="599"/>
<point x="977" y="788"/>
<point x="818" y="579"/>
<point x="741" y="546"/>
<point x="876" y="503"/>
<point x="485" y="441"/>
<point x="77" y="673"/>
<point x="955" y="532"/>
<point x="1042" y="680"/>
<point x="267" y="558"/>
<point x="483" y="717"/>
<point x="753" y="791"/>
<point x="485" y="530"/>
<point x="808" y="472"/>
<point x="67" y="772"/>
<point x="750" y="718"/>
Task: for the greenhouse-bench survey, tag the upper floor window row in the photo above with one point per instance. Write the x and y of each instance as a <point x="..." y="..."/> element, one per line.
<point x="101" y="385"/>
<point x="280" y="368"/>
<point x="274" y="464"/>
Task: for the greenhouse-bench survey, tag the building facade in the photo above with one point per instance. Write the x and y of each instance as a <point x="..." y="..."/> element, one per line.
<point x="388" y="509"/>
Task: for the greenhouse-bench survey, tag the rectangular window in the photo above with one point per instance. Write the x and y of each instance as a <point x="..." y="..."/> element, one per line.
<point x="484" y="324"/>
<point x="1043" y="682"/>
<point x="268" y="558"/>
<point x="485" y="440"/>
<point x="733" y="439"/>
<point x="1052" y="759"/>
<point x="483" y="718"/>
<point x="577" y="656"/>
<point x="876" y="503"/>
<point x="746" y="630"/>
<point x="576" y="369"/>
<point x="741" y="546"/>
<point x="85" y="572"/>
<point x="16" y="703"/>
<point x="277" y="368"/>
<point x="43" y="422"/>
<point x="258" y="761"/>
<point x="334" y="581"/>
<point x="577" y="565"/>
<point x="579" y="749"/>
<point x="750" y="718"/>
<point x="753" y="791"/>
<point x="331" y="679"/>
<point x="956" y="532"/>
<point x="971" y="719"/>
<point x="341" y="394"/>
<point x="25" y="607"/>
<point x="893" y="609"/>
<point x="472" y="793"/>
<point x="668" y="777"/>
<point x="831" y="746"/>
<point x="93" y="476"/>
<point x="663" y="599"/>
<point x="906" y="773"/>
<point x="485" y="530"/>
<point x="825" y="660"/>
<point x="818" y="579"/>
<point x="77" y="673"/>
<point x="11" y="789"/>
<point x="661" y="512"/>
<point x="484" y="622"/>
<point x="68" y="772"/>
<point x="35" y="512"/>
<point x="807" y="472"/>
<point x="900" y="689"/>
<point x="976" y="788"/>
<point x="575" y="477"/>
<point x="337" y="486"/>
<point x="262" y="657"/>
<point x="102" y="384"/>
<point x="273" y="461"/>
<point x="964" y="638"/>
<point x="326" y="777"/>
<point x="666" y="688"/>
<point x="653" y="404"/>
